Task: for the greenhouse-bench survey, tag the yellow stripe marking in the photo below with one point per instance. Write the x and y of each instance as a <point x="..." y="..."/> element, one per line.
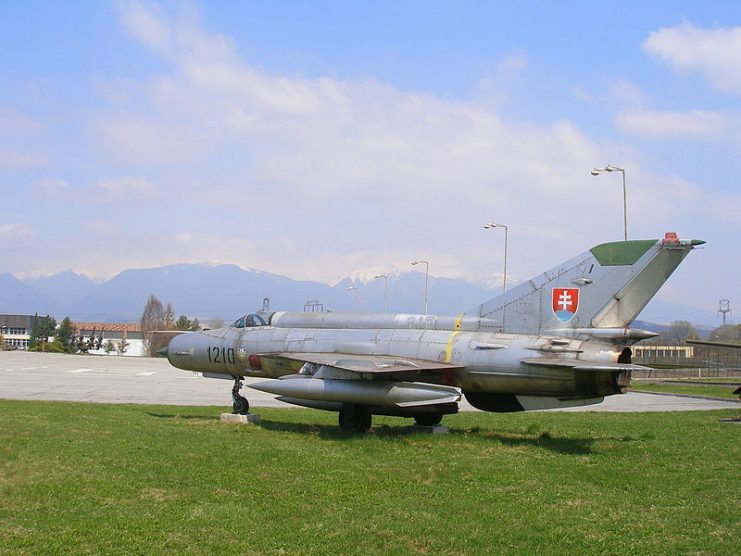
<point x="456" y="331"/>
<point x="457" y="324"/>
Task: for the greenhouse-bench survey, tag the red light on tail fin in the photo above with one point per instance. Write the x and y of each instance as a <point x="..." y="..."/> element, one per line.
<point x="670" y="238"/>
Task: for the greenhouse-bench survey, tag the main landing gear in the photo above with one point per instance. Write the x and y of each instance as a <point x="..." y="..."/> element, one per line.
<point x="240" y="405"/>
<point x="355" y="418"/>
<point x="428" y="420"/>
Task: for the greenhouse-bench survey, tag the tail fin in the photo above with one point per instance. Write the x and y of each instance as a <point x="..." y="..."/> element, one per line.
<point x="606" y="287"/>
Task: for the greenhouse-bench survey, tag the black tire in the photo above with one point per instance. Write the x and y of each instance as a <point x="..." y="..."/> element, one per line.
<point x="429" y="420"/>
<point x="365" y="418"/>
<point x="241" y="406"/>
<point x="355" y="418"/>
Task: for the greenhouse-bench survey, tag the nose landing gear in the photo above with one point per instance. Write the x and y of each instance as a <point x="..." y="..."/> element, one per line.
<point x="240" y="405"/>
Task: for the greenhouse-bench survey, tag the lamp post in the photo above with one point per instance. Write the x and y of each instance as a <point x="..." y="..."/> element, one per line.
<point x="611" y="168"/>
<point x="427" y="275"/>
<point x="506" y="241"/>
<point x="351" y="288"/>
<point x="385" y="288"/>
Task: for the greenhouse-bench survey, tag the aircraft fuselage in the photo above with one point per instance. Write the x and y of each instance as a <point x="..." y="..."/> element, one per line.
<point x="483" y="361"/>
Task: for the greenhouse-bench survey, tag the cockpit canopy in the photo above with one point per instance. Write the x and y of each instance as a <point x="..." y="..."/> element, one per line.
<point x="252" y="320"/>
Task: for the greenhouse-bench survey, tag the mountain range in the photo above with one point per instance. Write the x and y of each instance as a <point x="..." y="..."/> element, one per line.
<point x="225" y="292"/>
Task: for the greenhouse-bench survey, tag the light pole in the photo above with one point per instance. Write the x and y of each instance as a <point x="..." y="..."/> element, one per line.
<point x="506" y="241"/>
<point x="427" y="275"/>
<point x="611" y="168"/>
<point x="351" y="288"/>
<point x="385" y="288"/>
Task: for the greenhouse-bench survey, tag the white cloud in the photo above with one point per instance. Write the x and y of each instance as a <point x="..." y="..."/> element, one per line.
<point x="714" y="53"/>
<point x="581" y="93"/>
<point x="314" y="178"/>
<point x="145" y="25"/>
<point x="15" y="122"/>
<point x="53" y="187"/>
<point x="660" y="124"/>
<point x="13" y="232"/>
<point x="16" y="160"/>
<point x="131" y="188"/>
<point x="102" y="228"/>
<point x="628" y="95"/>
<point x="514" y="63"/>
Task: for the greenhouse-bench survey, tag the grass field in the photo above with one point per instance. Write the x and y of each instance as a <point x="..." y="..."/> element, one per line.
<point x="690" y="389"/>
<point x="121" y="479"/>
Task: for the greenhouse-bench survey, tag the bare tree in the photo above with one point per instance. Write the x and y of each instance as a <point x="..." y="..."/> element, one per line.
<point x="153" y="319"/>
<point x="678" y="332"/>
<point x="169" y="317"/>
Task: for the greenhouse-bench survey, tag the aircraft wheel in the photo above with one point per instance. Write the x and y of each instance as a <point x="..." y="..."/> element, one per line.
<point x="429" y="420"/>
<point x="241" y="406"/>
<point x="355" y="418"/>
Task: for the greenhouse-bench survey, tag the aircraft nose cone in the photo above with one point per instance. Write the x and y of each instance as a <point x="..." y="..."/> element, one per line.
<point x="162" y="352"/>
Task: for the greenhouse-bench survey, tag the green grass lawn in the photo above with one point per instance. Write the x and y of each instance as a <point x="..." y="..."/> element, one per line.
<point x="688" y="389"/>
<point x="121" y="479"/>
<point x="727" y="379"/>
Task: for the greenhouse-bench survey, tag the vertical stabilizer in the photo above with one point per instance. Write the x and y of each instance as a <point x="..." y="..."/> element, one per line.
<point x="606" y="287"/>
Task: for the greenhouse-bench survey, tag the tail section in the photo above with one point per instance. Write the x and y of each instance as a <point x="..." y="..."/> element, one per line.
<point x="606" y="287"/>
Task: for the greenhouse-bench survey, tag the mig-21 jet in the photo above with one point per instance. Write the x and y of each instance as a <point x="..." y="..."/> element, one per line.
<point x="558" y="340"/>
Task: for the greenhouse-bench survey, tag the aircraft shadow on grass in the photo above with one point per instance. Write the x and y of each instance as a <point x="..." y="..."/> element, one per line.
<point x="570" y="446"/>
<point x="561" y="445"/>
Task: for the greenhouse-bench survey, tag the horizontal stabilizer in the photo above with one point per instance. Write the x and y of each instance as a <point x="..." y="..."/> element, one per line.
<point x="620" y="334"/>
<point x="714" y="343"/>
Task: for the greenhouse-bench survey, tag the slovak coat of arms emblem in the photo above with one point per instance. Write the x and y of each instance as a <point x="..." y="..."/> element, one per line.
<point x="565" y="303"/>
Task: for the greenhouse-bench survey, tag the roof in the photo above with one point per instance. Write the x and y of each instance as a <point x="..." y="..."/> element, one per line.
<point x="108" y="326"/>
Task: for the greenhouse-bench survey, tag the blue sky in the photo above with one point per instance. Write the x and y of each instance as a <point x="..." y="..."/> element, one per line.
<point x="318" y="139"/>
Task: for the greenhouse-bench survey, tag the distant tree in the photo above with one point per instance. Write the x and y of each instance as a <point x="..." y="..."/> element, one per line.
<point x="730" y="332"/>
<point x="54" y="346"/>
<point x="169" y="317"/>
<point x="82" y="345"/>
<point x="42" y="328"/>
<point x="65" y="335"/>
<point x="121" y="346"/>
<point x="195" y="325"/>
<point x="2" y="342"/>
<point x="153" y="319"/>
<point x="109" y="346"/>
<point x="183" y="323"/>
<point x="678" y="331"/>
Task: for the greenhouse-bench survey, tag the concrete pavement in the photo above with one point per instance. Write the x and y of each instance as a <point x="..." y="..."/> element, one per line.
<point x="141" y="380"/>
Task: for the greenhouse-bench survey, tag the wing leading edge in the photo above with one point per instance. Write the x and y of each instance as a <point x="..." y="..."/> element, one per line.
<point x="362" y="363"/>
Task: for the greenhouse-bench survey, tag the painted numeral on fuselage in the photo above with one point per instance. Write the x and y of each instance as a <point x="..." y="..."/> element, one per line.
<point x="220" y="355"/>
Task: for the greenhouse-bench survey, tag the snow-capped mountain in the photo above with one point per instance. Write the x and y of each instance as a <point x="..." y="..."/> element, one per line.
<point x="223" y="291"/>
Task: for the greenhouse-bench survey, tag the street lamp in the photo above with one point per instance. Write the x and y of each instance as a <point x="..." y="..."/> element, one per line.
<point x="506" y="233"/>
<point x="385" y="287"/>
<point x="427" y="275"/>
<point x="351" y="288"/>
<point x="611" y="168"/>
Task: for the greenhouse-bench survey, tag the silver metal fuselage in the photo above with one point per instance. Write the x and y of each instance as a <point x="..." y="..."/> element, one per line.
<point x="485" y="362"/>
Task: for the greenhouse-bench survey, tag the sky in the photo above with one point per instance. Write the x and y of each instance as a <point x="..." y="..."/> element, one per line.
<point x="317" y="139"/>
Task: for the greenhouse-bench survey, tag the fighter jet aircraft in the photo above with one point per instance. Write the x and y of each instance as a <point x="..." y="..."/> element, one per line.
<point x="560" y="339"/>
